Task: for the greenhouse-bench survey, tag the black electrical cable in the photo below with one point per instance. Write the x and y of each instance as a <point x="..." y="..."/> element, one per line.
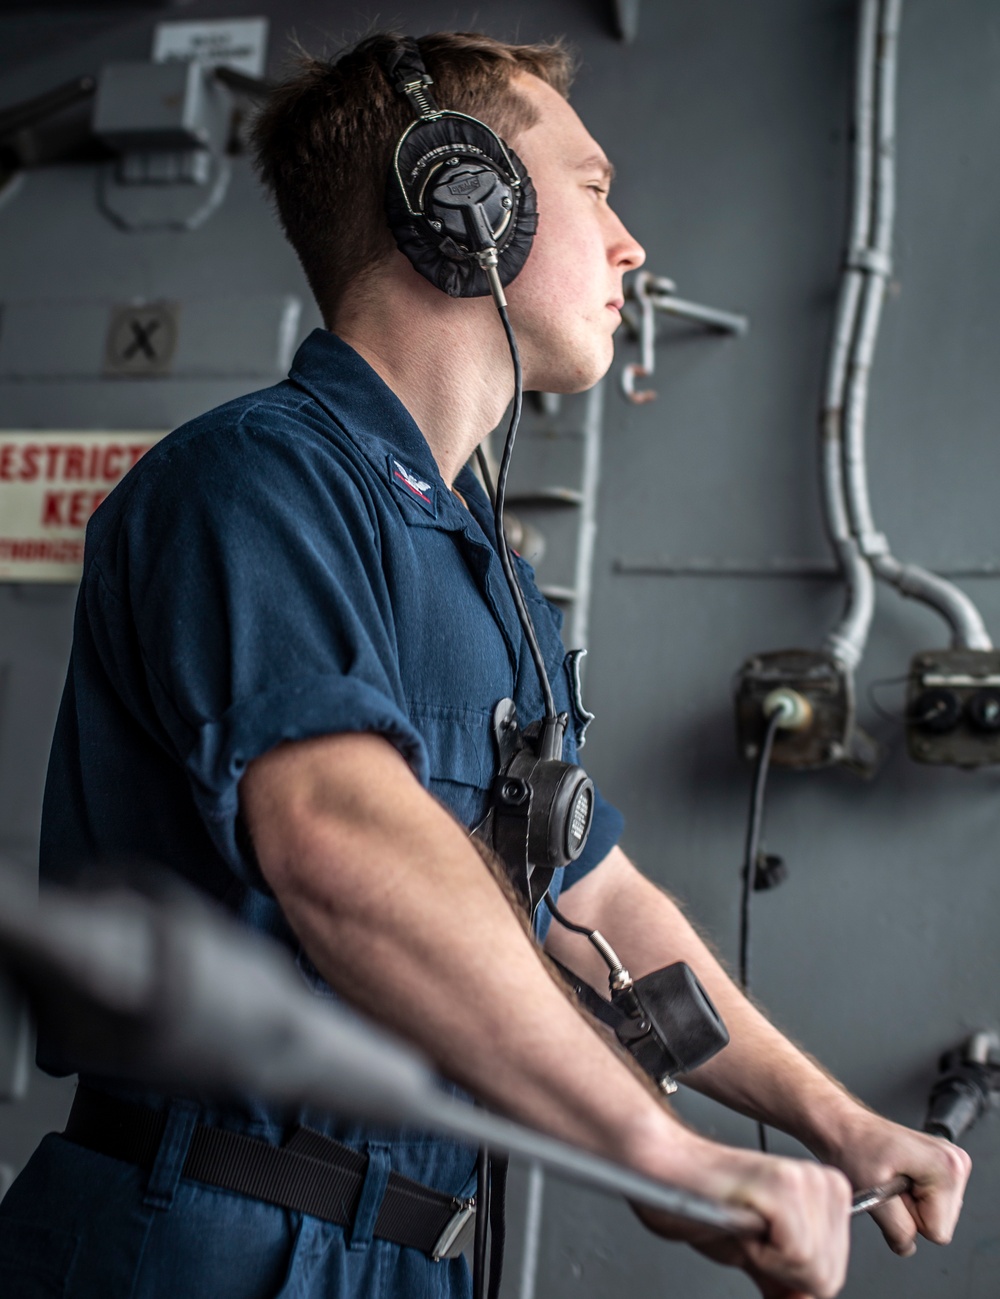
<point x="600" y="944"/>
<point x="752" y="850"/>
<point x="484" y="470"/>
<point x="751" y="854"/>
<point x="910" y="716"/>
<point x="482" y="1224"/>
<point x="566" y="924"/>
<point x="498" y="1221"/>
<point x="501" y="537"/>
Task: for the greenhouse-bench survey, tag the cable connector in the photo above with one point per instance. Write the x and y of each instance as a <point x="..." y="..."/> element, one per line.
<point x="488" y="259"/>
<point x="811" y="696"/>
<point x="968" y="1085"/>
<point x="794" y="711"/>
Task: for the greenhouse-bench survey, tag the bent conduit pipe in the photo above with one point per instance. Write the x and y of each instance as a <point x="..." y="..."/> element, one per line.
<point x="860" y="548"/>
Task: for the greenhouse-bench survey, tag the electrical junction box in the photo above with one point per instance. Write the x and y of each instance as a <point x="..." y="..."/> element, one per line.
<point x="822" y="682"/>
<point x="953" y="707"/>
<point x="169" y="123"/>
<point x="159" y="106"/>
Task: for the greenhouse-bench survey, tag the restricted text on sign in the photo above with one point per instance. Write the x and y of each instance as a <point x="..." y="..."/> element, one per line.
<point x="50" y="485"/>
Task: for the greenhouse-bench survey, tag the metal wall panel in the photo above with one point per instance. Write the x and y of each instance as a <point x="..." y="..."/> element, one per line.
<point x="728" y="123"/>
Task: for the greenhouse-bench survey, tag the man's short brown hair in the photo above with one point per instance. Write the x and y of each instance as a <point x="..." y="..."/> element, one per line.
<point x="323" y="140"/>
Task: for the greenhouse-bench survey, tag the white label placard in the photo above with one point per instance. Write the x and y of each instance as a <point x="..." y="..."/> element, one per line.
<point x="50" y="485"/>
<point x="240" y="43"/>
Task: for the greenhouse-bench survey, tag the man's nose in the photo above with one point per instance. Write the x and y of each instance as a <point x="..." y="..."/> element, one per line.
<point x="625" y="252"/>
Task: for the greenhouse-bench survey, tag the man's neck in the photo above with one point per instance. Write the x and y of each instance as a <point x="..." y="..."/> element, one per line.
<point x="447" y="361"/>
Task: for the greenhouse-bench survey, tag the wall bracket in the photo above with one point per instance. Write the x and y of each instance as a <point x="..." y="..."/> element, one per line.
<point x="654" y="293"/>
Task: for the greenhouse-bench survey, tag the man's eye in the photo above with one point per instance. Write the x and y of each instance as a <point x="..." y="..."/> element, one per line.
<point x="602" y="190"/>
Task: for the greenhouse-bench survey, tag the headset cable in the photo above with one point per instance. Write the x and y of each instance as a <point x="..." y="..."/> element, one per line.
<point x="751" y="859"/>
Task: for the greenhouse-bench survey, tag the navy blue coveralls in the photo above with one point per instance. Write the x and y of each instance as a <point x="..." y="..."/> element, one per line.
<point x="286" y="566"/>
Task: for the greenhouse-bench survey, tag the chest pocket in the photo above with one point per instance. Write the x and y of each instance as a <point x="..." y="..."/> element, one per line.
<point x="461" y="756"/>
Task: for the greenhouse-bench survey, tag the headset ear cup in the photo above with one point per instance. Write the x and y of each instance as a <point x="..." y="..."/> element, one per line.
<point x="436" y="254"/>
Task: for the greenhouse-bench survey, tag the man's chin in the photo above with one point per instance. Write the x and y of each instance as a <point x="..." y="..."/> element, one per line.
<point x="577" y="376"/>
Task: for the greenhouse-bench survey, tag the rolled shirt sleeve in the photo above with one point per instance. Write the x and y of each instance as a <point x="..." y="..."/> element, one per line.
<point x="248" y="607"/>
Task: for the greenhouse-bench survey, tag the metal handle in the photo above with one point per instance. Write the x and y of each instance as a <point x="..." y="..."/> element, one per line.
<point x="871" y="1199"/>
<point x="748" y="1222"/>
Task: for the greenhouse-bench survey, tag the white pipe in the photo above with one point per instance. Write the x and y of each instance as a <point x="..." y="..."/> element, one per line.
<point x="847" y="640"/>
<point x="864" y="124"/>
<point x="870" y="255"/>
<point x="968" y="630"/>
<point x="884" y="200"/>
<point x="870" y="259"/>
<point x="870" y="541"/>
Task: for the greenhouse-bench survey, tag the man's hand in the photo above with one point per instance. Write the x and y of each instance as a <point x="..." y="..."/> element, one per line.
<point x="806" y="1206"/>
<point x="871" y="1150"/>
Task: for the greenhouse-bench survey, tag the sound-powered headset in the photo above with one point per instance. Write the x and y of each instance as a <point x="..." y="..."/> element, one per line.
<point x="462" y="209"/>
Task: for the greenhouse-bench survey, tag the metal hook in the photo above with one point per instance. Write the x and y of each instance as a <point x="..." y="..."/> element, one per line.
<point x="656" y="293"/>
<point x="647" y="337"/>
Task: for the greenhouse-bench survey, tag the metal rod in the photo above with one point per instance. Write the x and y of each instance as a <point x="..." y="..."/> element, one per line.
<point x="21" y="116"/>
<point x="451" y="1118"/>
<point x="871" y="1199"/>
<point x="532" y="1231"/>
<point x="811" y="569"/>
<point x="593" y="422"/>
<point x="727" y="322"/>
<point x="709" y="566"/>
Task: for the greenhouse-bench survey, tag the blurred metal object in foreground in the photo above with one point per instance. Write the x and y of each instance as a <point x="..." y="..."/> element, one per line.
<point x="166" y="990"/>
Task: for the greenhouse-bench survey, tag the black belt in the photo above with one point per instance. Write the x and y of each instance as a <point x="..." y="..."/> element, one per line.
<point x="310" y="1173"/>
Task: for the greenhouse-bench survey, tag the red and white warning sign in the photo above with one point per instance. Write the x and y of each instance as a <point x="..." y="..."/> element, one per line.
<point x="50" y="485"/>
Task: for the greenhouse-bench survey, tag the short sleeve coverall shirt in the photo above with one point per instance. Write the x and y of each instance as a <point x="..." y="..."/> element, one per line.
<point x="288" y="565"/>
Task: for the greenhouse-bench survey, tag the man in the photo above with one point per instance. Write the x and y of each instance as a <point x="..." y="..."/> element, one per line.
<point x="292" y="633"/>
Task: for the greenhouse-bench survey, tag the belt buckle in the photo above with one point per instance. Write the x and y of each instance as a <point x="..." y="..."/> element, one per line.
<point x="457" y="1231"/>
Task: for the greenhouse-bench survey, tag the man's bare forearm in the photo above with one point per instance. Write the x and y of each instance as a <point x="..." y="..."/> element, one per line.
<point x="402" y="917"/>
<point x="761" y="1073"/>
